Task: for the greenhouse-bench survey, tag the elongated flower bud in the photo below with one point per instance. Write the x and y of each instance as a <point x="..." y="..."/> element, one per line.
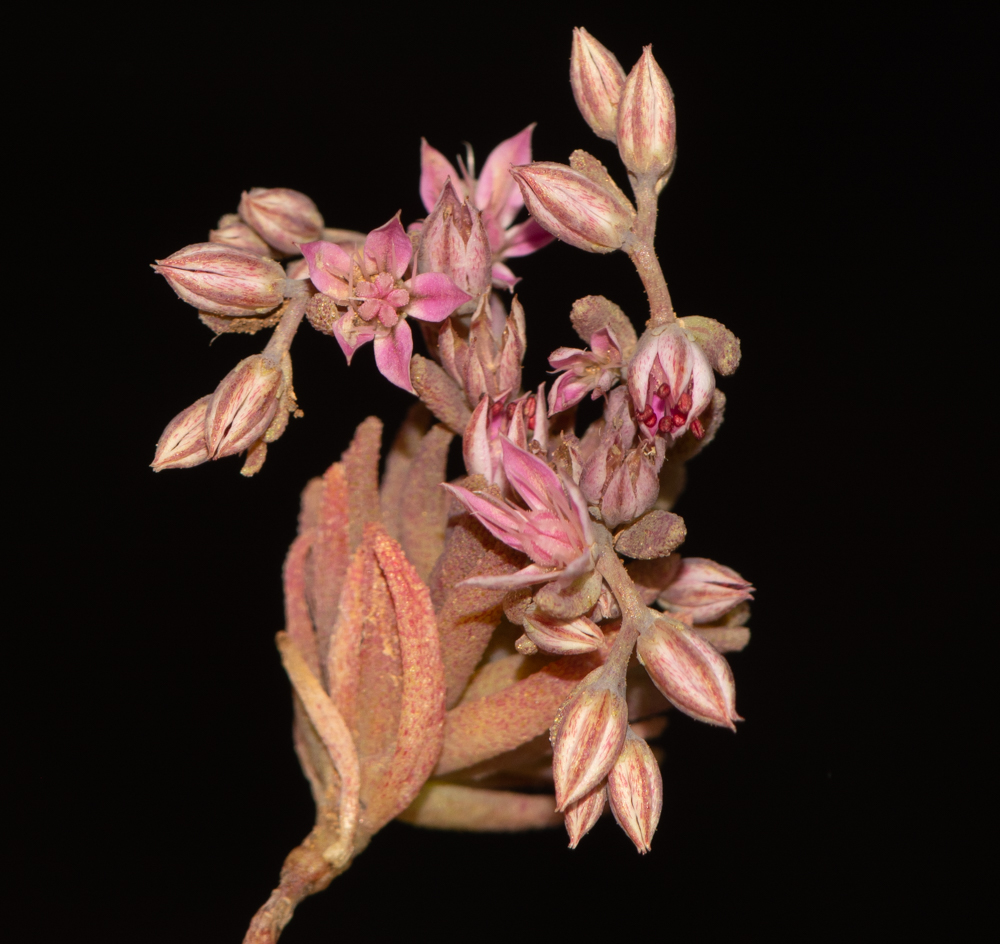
<point x="182" y="443"/>
<point x="647" y="123"/>
<point x="242" y="407"/>
<point x="597" y="79"/>
<point x="635" y="790"/>
<point x="588" y="738"/>
<point x="223" y="279"/>
<point x="703" y="590"/>
<point x="285" y="218"/>
<point x="689" y="672"/>
<point x="563" y="637"/>
<point x="583" y="814"/>
<point x="573" y="207"/>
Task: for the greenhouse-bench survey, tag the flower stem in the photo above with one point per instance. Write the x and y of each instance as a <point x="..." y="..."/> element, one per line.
<point x="643" y="255"/>
<point x="635" y="615"/>
<point x="283" y="335"/>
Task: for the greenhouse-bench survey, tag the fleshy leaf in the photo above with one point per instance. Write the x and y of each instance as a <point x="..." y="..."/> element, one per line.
<point x="424" y="504"/>
<point x="441" y="394"/>
<point x="453" y="806"/>
<point x="655" y="534"/>
<point x="397" y="464"/>
<point x="594" y="312"/>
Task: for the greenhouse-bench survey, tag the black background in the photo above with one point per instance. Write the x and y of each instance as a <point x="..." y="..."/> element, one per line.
<point x="824" y="207"/>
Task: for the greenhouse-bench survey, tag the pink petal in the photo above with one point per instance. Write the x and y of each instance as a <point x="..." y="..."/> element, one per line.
<point x="435" y="169"/>
<point x="496" y="518"/>
<point x="639" y="368"/>
<point x="476" y="442"/>
<point x="329" y="266"/>
<point x="605" y="344"/>
<point x="567" y="391"/>
<point x="392" y="354"/>
<point x="523" y="578"/>
<point x="503" y="277"/>
<point x="534" y="481"/>
<point x="563" y="358"/>
<point x="524" y="239"/>
<point x="389" y="248"/>
<point x="349" y="336"/>
<point x="496" y="190"/>
<point x="434" y="296"/>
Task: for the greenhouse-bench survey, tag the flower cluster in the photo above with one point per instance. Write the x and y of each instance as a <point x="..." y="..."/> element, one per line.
<point x="412" y="604"/>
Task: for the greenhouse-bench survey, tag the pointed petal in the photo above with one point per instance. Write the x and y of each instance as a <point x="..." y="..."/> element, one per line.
<point x="496" y="190"/>
<point x="435" y="169"/>
<point x="534" y="481"/>
<point x="524" y="239"/>
<point x="350" y="336"/>
<point x="434" y="296"/>
<point x="329" y="267"/>
<point x="503" y="277"/>
<point x="531" y="574"/>
<point x="389" y="248"/>
<point x="392" y="354"/>
<point x="496" y="518"/>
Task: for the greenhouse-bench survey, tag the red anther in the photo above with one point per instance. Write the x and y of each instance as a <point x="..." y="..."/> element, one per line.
<point x="531" y="423"/>
<point x="645" y="415"/>
<point x="677" y="418"/>
<point x="684" y="403"/>
<point x="664" y="425"/>
<point x="529" y="407"/>
<point x="663" y="391"/>
<point x="697" y="429"/>
<point x="650" y="420"/>
<point x="496" y="409"/>
<point x="511" y="407"/>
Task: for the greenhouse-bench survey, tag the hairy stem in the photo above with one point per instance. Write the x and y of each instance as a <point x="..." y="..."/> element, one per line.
<point x="635" y="615"/>
<point x="643" y="255"/>
<point x="283" y="335"/>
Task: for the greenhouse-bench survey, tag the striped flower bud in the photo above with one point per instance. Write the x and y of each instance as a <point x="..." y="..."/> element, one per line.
<point x="242" y="407"/>
<point x="182" y="443"/>
<point x="573" y="207"/>
<point x="635" y="790"/>
<point x="582" y="815"/>
<point x="232" y="231"/>
<point x="223" y="279"/>
<point x="597" y="79"/>
<point x="689" y="672"/>
<point x="588" y="736"/>
<point x="647" y="123"/>
<point x="285" y="218"/>
<point x="563" y="637"/>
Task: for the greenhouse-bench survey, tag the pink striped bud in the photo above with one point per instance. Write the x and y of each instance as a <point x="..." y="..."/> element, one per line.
<point x="635" y="790"/>
<point x="242" y="407"/>
<point x="233" y="231"/>
<point x="582" y="815"/>
<point x="285" y="218"/>
<point x="182" y="443"/>
<point x="597" y="79"/>
<point x="588" y="737"/>
<point x="573" y="207"/>
<point x="703" y="590"/>
<point x="689" y="672"/>
<point x="563" y="637"/>
<point x="224" y="280"/>
<point x="647" y="123"/>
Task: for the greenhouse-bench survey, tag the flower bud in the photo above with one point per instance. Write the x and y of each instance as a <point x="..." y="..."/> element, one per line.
<point x="691" y="674"/>
<point x="182" y="443"/>
<point x="582" y="815"/>
<point x="242" y="407"/>
<point x="703" y="590"/>
<point x="597" y="79"/>
<point x="573" y="207"/>
<point x="223" y="279"/>
<point x="563" y="637"/>
<point x="283" y="217"/>
<point x="635" y="790"/>
<point x="233" y="231"/>
<point x="588" y="736"/>
<point x="647" y="123"/>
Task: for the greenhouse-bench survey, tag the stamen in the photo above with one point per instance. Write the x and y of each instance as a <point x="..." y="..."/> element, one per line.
<point x="663" y="391"/>
<point x="697" y="429"/>
<point x="531" y="423"/>
<point x="529" y="408"/>
<point x="496" y="410"/>
<point x="646" y="415"/>
<point x="684" y="403"/>
<point x="664" y="425"/>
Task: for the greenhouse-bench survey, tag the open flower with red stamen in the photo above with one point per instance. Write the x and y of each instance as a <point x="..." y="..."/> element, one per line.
<point x="523" y="421"/>
<point x="370" y="284"/>
<point x="597" y="370"/>
<point x="554" y="530"/>
<point x="494" y="193"/>
<point x="671" y="382"/>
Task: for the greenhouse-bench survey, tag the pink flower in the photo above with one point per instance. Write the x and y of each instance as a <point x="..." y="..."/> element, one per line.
<point x="554" y="530"/>
<point x="494" y="193"/>
<point x="522" y="421"/>
<point x="597" y="370"/>
<point x="369" y="284"/>
<point x="703" y="591"/>
<point x="671" y="382"/>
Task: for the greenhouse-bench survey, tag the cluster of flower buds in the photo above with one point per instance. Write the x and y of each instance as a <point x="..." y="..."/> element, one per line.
<point x="570" y="539"/>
